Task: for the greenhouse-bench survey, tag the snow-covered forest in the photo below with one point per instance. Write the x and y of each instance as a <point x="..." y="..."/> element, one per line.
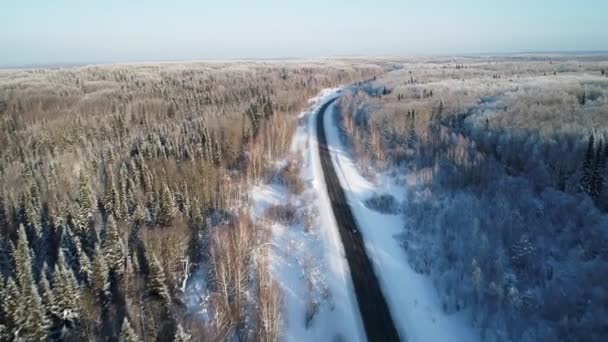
<point x="504" y="165"/>
<point x="187" y="201"/>
<point x="123" y="187"/>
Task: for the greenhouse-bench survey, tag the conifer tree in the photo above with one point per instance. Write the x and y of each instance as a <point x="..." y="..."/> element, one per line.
<point x="123" y="209"/>
<point x="411" y="132"/>
<point x="599" y="168"/>
<point x="85" y="200"/>
<point x="113" y="247"/>
<point x="157" y="284"/>
<point x="29" y="315"/>
<point x="3" y="315"/>
<point x="166" y="210"/>
<point x="131" y="200"/>
<point x="99" y="275"/>
<point x="585" y="182"/>
<point x="67" y="291"/>
<point x="127" y="334"/>
<point x="10" y="305"/>
<point x="111" y="200"/>
<point x="84" y="262"/>
<point x="46" y="294"/>
<point x="3" y="216"/>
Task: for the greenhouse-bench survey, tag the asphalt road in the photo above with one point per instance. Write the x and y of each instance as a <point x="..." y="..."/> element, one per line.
<point x="377" y="321"/>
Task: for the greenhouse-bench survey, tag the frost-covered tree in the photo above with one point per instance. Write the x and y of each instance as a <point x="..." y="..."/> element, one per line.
<point x="84" y="262"/>
<point x="157" y="285"/>
<point x="127" y="334"/>
<point x="99" y="274"/>
<point x="111" y="199"/>
<point x="47" y="295"/>
<point x="113" y="247"/>
<point x="29" y="314"/>
<point x="67" y="291"/>
<point x="85" y="200"/>
<point x="167" y="210"/>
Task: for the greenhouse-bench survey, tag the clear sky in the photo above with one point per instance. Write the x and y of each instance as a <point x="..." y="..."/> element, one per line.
<point x="66" y="31"/>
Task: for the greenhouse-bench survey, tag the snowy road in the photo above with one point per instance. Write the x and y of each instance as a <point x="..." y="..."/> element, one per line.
<point x="374" y="311"/>
<point x="314" y="267"/>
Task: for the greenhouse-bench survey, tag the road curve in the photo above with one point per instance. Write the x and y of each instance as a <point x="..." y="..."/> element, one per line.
<point x="377" y="321"/>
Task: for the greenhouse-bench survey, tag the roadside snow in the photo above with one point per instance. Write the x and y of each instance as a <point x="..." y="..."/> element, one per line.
<point x="411" y="297"/>
<point x="308" y="259"/>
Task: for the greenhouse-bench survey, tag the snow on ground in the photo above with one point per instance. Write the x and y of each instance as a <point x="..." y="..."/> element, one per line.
<point x="308" y="259"/>
<point x="411" y="297"/>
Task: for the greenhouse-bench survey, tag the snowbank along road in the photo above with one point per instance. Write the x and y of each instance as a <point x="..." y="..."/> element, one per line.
<point x="377" y="321"/>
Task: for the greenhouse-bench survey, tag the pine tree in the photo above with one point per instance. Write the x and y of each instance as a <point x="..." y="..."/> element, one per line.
<point x="157" y="284"/>
<point x="585" y="182"/>
<point x="599" y="168"/>
<point x="111" y="201"/>
<point x="31" y="211"/>
<point x="127" y="334"/>
<point x="86" y="202"/>
<point x="3" y="216"/>
<point x="113" y="247"/>
<point x="46" y="294"/>
<point x="99" y="277"/>
<point x="4" y="333"/>
<point x="131" y="200"/>
<point x="84" y="262"/>
<point x="411" y="134"/>
<point x="29" y="315"/>
<point x="10" y="304"/>
<point x="166" y="211"/>
<point x="67" y="291"/>
<point x="123" y="209"/>
<point x="23" y="260"/>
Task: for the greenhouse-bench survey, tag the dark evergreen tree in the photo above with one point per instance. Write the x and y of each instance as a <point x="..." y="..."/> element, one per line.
<point x="4" y="333"/>
<point x="4" y="223"/>
<point x="585" y="182"/>
<point x="411" y="131"/>
<point x="599" y="168"/>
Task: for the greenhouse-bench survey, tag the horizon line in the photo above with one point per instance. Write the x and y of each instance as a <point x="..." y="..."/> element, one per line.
<point x="77" y="64"/>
